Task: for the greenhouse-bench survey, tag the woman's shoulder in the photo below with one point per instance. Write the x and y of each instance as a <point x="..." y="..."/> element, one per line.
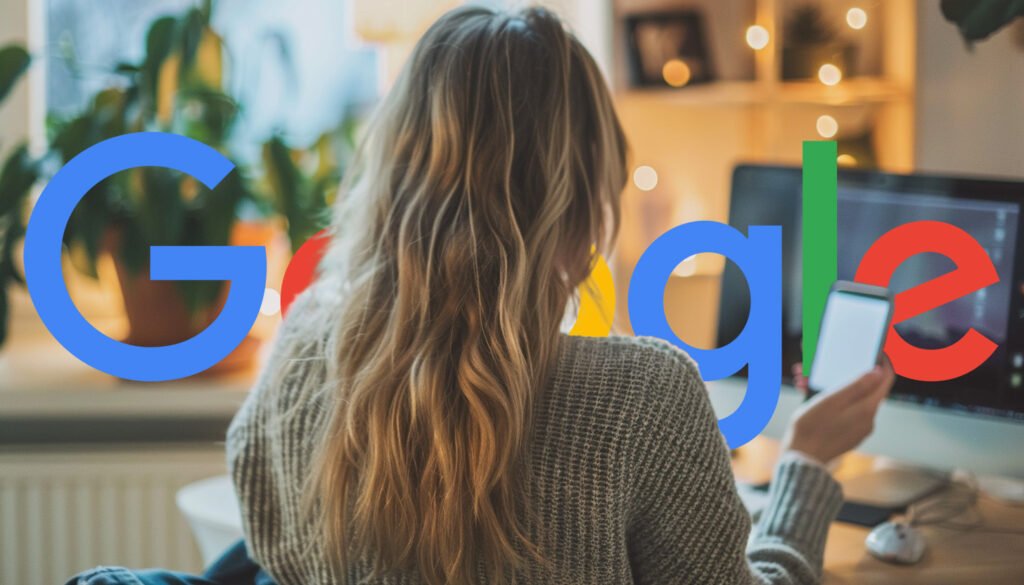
<point x="631" y="372"/>
<point x="644" y="355"/>
<point x="297" y="366"/>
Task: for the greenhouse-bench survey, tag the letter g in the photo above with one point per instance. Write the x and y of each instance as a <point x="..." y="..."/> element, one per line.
<point x="244" y="266"/>
<point x="758" y="346"/>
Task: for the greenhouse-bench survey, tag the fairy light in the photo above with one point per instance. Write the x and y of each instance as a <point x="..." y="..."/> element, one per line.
<point x="757" y="37"/>
<point x="676" y="72"/>
<point x="686" y="268"/>
<point x="271" y="304"/>
<point x="829" y="74"/>
<point x="827" y="126"/>
<point x="856" y="18"/>
<point x="645" y="178"/>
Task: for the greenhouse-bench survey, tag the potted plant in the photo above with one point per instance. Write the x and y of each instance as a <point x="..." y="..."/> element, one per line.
<point x="809" y="43"/>
<point x="177" y="87"/>
<point x="17" y="175"/>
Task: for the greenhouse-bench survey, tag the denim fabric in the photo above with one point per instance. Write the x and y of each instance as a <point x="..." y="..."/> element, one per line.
<point x="234" y="567"/>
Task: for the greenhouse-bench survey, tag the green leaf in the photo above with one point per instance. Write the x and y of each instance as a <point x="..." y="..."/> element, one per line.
<point x="12" y="234"/>
<point x="977" y="19"/>
<point x="287" y="186"/>
<point x="219" y="210"/>
<point x="159" y="43"/>
<point x="216" y="113"/>
<point x="17" y="176"/>
<point x="161" y="208"/>
<point x="14" y="61"/>
<point x="192" y="26"/>
<point x="127" y="68"/>
<point x="91" y="220"/>
<point x="3" y="312"/>
<point x="108" y="113"/>
<point x="134" y="249"/>
<point x="74" y="137"/>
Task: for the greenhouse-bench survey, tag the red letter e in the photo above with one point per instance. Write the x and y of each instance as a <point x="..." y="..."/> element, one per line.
<point x="974" y="271"/>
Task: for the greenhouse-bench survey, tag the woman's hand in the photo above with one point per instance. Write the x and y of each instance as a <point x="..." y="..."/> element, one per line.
<point x="828" y="425"/>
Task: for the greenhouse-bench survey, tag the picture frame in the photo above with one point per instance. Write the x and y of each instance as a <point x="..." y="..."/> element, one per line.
<point x="668" y="49"/>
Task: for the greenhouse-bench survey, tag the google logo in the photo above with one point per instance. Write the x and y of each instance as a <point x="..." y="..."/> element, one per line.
<point x="758" y="254"/>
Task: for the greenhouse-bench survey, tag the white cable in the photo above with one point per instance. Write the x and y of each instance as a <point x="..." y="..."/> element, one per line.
<point x="958" y="498"/>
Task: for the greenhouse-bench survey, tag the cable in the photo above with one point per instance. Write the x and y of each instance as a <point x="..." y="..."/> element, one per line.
<point x="958" y="498"/>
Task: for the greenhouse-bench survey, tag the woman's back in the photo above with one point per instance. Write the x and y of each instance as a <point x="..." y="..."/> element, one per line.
<point x="434" y="426"/>
<point x="629" y="477"/>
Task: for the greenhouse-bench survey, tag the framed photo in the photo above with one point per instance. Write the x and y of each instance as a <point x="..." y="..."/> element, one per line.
<point x="668" y="49"/>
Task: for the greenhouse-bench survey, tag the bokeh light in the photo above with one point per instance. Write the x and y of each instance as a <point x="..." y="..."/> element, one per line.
<point x="827" y="126"/>
<point x="271" y="304"/>
<point x="757" y="37"/>
<point x="686" y="268"/>
<point x="829" y="74"/>
<point x="676" y="73"/>
<point x="645" y="178"/>
<point x="856" y="18"/>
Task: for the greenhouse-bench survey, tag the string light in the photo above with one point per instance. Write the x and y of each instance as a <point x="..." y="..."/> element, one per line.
<point x="645" y="178"/>
<point x="856" y="18"/>
<point x="676" y="73"/>
<point x="827" y="126"/>
<point x="757" y="37"/>
<point x="271" y="304"/>
<point x="687" y="267"/>
<point x="829" y="74"/>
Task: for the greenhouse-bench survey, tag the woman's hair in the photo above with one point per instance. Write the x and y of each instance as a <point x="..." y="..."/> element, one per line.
<point x="488" y="181"/>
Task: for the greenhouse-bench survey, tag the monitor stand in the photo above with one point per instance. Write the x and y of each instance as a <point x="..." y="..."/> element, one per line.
<point x="893" y="486"/>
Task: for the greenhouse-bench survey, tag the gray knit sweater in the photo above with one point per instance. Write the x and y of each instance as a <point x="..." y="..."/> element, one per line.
<point x="631" y="477"/>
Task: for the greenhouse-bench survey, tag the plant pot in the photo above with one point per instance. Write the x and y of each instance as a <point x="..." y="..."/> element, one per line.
<point x="157" y="315"/>
<point x="803" y="61"/>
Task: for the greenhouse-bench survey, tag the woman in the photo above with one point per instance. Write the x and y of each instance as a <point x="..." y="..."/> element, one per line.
<point x="429" y="423"/>
<point x="422" y="420"/>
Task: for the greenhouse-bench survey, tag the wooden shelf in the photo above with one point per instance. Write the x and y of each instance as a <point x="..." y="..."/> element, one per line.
<point x="855" y="91"/>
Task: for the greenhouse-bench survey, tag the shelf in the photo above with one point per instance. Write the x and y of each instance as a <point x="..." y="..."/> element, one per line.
<point x="852" y="92"/>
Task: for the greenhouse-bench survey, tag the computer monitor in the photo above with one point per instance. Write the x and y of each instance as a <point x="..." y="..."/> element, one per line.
<point x="975" y="421"/>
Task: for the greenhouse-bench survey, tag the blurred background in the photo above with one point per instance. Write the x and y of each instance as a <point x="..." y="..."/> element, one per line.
<point x="90" y="465"/>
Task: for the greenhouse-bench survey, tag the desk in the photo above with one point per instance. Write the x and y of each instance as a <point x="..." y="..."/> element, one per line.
<point x="953" y="557"/>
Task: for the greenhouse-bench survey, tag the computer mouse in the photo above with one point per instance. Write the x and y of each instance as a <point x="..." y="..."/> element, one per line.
<point x="895" y="542"/>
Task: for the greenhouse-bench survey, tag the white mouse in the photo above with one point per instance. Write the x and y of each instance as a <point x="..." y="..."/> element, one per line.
<point x="895" y="542"/>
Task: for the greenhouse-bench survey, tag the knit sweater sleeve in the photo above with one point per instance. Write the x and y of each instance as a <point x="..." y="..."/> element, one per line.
<point x="688" y="523"/>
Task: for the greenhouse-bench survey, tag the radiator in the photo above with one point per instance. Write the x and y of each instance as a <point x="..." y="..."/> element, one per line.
<point x="66" y="510"/>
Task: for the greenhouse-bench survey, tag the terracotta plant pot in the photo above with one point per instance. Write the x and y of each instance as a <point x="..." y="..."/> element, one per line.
<point x="157" y="314"/>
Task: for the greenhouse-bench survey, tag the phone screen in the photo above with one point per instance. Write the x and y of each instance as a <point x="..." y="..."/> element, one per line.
<point x="853" y="329"/>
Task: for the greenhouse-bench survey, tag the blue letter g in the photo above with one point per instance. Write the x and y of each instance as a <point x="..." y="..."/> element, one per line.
<point x="759" y="345"/>
<point x="244" y="266"/>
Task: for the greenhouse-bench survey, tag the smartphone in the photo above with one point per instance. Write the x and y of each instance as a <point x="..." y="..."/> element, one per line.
<point x="852" y="334"/>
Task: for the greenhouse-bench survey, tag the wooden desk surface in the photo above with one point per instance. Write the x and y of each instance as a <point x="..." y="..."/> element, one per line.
<point x="960" y="557"/>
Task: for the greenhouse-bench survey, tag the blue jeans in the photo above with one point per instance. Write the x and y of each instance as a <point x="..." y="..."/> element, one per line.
<point x="234" y="567"/>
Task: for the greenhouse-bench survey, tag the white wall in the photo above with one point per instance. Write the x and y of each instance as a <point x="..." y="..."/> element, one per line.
<point x="970" y="104"/>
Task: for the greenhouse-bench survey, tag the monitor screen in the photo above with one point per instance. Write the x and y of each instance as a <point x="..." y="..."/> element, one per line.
<point x="869" y="205"/>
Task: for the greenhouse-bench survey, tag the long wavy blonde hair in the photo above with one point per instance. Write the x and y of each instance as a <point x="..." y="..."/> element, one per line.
<point x="489" y="178"/>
